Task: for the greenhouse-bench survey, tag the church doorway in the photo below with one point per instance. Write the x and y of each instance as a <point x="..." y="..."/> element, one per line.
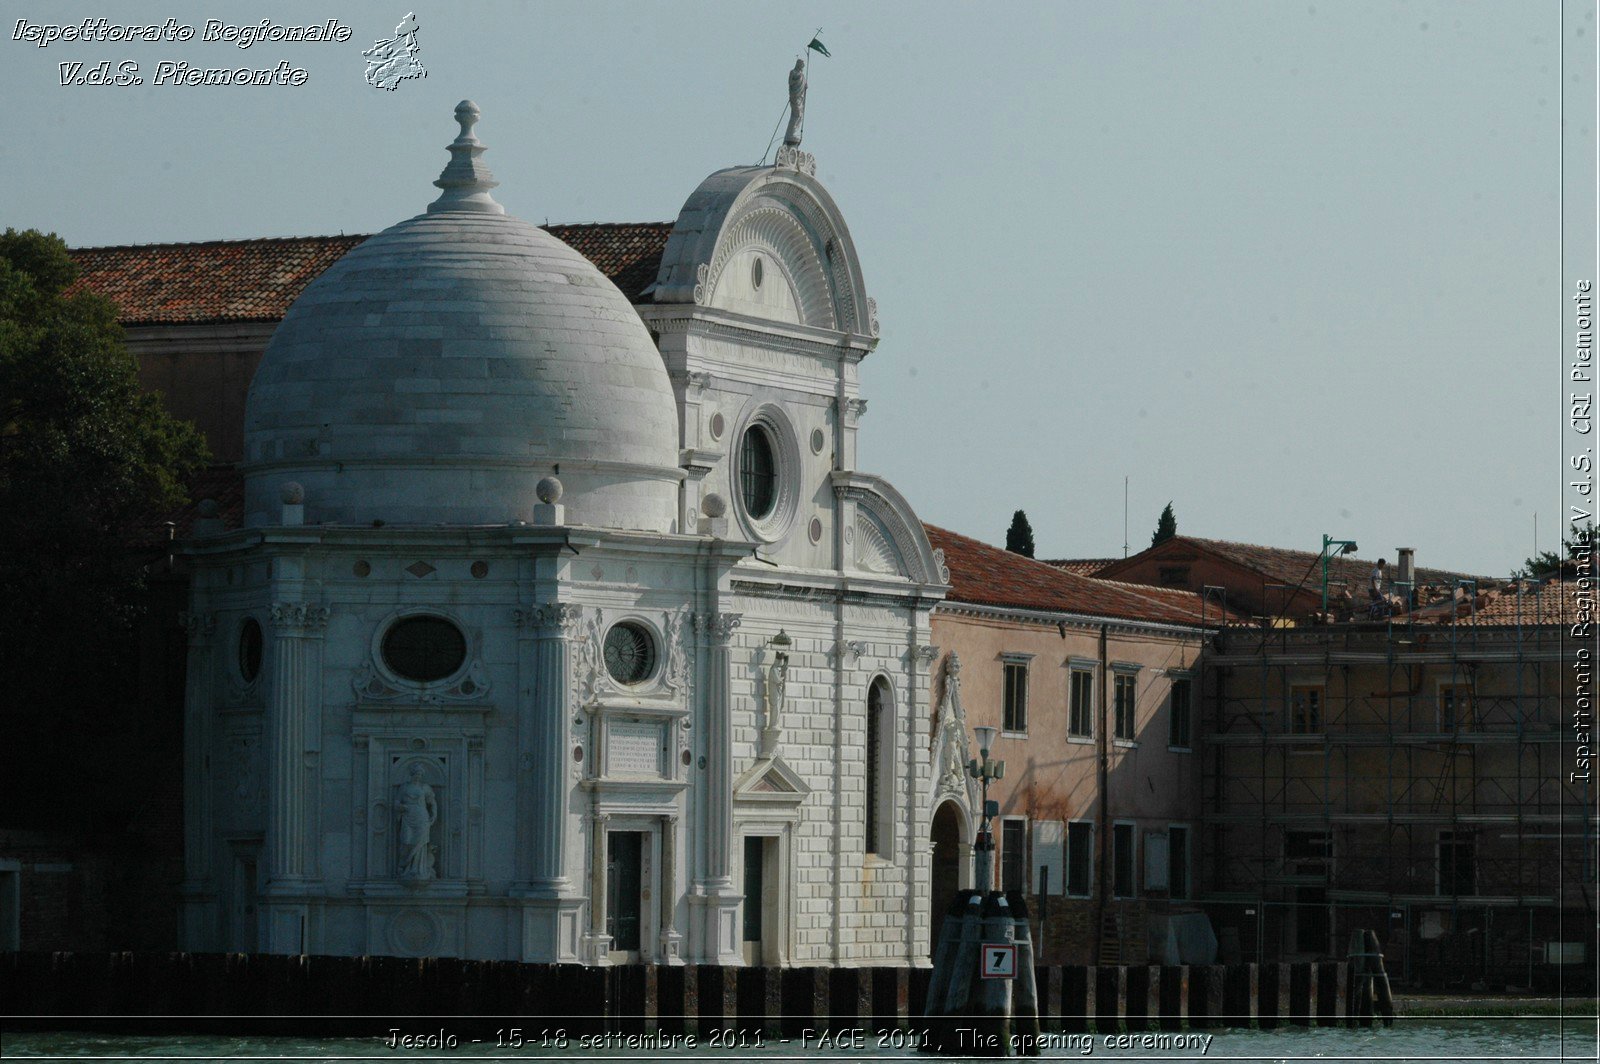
<point x="947" y="856"/>
<point x="761" y="919"/>
<point x="625" y="894"/>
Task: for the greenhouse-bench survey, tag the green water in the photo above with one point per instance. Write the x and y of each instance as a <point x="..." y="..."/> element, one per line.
<point x="1465" y="1039"/>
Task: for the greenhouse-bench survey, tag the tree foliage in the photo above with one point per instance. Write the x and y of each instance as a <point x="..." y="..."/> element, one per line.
<point x="1019" y="537"/>
<point x="1580" y="540"/>
<point x="1166" y="527"/>
<point x="84" y="452"/>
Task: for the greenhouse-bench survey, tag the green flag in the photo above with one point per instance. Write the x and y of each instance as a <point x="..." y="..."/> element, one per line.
<point x="817" y="46"/>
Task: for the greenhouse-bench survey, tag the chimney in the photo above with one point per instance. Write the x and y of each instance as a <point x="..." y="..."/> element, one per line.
<point x="1406" y="569"/>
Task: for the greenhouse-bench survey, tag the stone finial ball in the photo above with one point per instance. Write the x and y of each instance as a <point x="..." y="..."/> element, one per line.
<point x="208" y="508"/>
<point x="714" y="505"/>
<point x="292" y="493"/>
<point x="549" y="490"/>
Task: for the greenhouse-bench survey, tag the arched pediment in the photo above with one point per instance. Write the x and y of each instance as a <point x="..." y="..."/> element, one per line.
<point x="887" y="536"/>
<point x="783" y="219"/>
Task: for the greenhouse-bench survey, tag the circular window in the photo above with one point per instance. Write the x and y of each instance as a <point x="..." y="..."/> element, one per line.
<point x="758" y="472"/>
<point x="630" y="653"/>
<point x="755" y="273"/>
<point x="250" y="649"/>
<point x="424" y="649"/>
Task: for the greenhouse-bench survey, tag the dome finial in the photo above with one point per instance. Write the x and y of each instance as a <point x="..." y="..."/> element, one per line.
<point x="465" y="180"/>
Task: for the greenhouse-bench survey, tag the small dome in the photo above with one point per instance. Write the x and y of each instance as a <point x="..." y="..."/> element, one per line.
<point x="442" y="368"/>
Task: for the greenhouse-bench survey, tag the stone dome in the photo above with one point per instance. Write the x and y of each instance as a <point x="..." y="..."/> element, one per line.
<point x="441" y="369"/>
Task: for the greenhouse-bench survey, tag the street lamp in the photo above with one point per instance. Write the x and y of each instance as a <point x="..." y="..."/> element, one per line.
<point x="1346" y="546"/>
<point x="983" y="772"/>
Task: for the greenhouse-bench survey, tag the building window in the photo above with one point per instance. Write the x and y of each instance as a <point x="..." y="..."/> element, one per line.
<point x="630" y="653"/>
<point x="1458" y="863"/>
<point x="758" y="472"/>
<point x="1080" y="858"/>
<point x="424" y="649"/>
<point x="1455" y="706"/>
<point x="1305" y="710"/>
<point x="1178" y="861"/>
<point x="1122" y="843"/>
<point x="1013" y="854"/>
<point x="1178" y="715"/>
<point x="1081" y="709"/>
<point x="1173" y="575"/>
<point x="249" y="650"/>
<point x="1016" y="696"/>
<point x="879" y="721"/>
<point x="1123" y="690"/>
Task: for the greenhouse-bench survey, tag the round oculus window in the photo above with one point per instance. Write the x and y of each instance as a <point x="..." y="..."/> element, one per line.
<point x="630" y="653"/>
<point x="424" y="649"/>
<point x="755" y="273"/>
<point x="758" y="472"/>
<point x="250" y="649"/>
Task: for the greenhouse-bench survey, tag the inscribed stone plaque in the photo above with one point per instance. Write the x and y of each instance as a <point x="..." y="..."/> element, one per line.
<point x="634" y="749"/>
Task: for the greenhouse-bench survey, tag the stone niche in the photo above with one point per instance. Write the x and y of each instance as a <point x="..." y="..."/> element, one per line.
<point x="405" y="771"/>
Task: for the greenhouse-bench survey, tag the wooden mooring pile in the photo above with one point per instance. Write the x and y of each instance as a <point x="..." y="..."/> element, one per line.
<point x="323" y="996"/>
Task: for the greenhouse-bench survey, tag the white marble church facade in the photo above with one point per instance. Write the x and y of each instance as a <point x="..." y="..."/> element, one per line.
<point x="561" y="628"/>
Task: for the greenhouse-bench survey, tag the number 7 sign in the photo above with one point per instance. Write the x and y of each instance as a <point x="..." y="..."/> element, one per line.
<point x="999" y="962"/>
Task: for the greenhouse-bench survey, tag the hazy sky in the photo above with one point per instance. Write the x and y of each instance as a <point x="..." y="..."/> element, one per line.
<point x="1294" y="266"/>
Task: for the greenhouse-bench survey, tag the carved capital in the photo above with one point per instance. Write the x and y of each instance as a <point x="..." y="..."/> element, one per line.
<point x="298" y="616"/>
<point x="851" y="649"/>
<point x="562" y="619"/>
<point x="717" y="628"/>
<point x="199" y="625"/>
<point x="698" y="380"/>
<point x="925" y="653"/>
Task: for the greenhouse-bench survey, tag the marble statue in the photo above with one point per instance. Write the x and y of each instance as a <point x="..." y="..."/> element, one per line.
<point x="777" y="678"/>
<point x="797" y="104"/>
<point x="418" y="811"/>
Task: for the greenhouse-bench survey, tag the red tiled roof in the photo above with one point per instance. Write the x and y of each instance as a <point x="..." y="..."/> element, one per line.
<point x="988" y="576"/>
<point x="1295" y="568"/>
<point x="1549" y="602"/>
<point x="1081" y="566"/>
<point x="256" y="280"/>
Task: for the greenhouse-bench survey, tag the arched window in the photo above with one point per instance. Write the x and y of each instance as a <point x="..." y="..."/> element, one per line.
<point x="880" y="782"/>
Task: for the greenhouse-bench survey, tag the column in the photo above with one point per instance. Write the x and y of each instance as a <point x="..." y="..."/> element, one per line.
<point x="671" y="941"/>
<point x="597" y="941"/>
<point x="718" y="938"/>
<point x="292" y="705"/>
<point x="201" y="921"/>
<point x="546" y="753"/>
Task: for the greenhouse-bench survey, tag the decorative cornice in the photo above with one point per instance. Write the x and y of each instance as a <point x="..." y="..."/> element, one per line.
<point x="298" y="616"/>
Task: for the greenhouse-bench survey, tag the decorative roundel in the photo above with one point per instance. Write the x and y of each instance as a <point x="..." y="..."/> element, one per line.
<point x="424" y="648"/>
<point x="480" y="569"/>
<point x="362" y="568"/>
<point x="755" y="272"/>
<point x="816" y="530"/>
<point x="250" y="649"/>
<point x="719" y="424"/>
<point x="630" y="653"/>
<point x="818" y="440"/>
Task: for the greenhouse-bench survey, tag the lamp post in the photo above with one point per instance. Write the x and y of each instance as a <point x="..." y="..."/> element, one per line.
<point x="983" y="771"/>
<point x="1346" y="546"/>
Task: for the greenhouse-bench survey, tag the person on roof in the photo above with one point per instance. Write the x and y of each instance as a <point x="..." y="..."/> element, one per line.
<point x="1380" y="574"/>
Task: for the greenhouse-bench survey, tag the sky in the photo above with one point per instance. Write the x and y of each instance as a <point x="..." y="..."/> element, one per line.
<point x="1297" y="267"/>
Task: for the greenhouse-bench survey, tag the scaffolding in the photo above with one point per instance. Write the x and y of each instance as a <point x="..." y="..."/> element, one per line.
<point x="1402" y="776"/>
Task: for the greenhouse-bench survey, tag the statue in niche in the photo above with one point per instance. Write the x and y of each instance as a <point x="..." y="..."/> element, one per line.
<point x="418" y="809"/>
<point x="797" y="104"/>
<point x="777" y="678"/>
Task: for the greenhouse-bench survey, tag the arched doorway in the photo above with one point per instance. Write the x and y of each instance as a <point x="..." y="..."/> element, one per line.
<point x="948" y="850"/>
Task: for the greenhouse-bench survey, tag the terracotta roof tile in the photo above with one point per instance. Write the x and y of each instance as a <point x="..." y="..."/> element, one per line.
<point x="1081" y="566"/>
<point x="988" y="576"/>
<point x="256" y="280"/>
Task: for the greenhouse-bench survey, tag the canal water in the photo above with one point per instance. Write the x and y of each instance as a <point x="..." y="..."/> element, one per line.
<point x="1465" y="1039"/>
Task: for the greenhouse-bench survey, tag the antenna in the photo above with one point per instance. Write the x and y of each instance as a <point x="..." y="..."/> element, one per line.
<point x="1124" y="515"/>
